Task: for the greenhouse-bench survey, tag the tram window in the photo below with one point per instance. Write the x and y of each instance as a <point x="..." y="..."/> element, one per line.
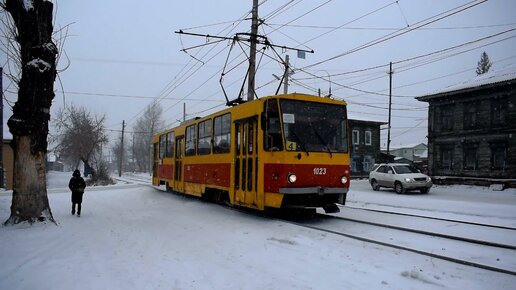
<point x="272" y="140"/>
<point x="156" y="151"/>
<point x="244" y="174"/>
<point x="162" y="146"/>
<point x="237" y="173"/>
<point x="190" y="137"/>
<point x="250" y="174"/>
<point x="179" y="145"/>
<point x="222" y="134"/>
<point x="250" y="139"/>
<point x="204" y="146"/>
<point x="169" y="147"/>
<point x="238" y="138"/>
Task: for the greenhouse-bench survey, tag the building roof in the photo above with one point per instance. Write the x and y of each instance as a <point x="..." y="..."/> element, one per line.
<point x="487" y="80"/>
<point x="368" y="121"/>
<point x="408" y="146"/>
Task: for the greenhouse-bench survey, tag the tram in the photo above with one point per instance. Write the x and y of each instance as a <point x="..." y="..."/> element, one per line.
<point x="277" y="152"/>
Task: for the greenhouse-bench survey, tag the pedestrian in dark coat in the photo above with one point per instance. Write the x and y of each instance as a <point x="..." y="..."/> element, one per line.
<point x="77" y="186"/>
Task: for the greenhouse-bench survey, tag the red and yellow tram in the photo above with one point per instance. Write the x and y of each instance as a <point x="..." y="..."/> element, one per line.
<point x="283" y="151"/>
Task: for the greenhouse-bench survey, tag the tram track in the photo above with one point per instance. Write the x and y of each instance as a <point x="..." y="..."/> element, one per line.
<point x="430" y="233"/>
<point x="458" y="250"/>
<point x="430" y="217"/>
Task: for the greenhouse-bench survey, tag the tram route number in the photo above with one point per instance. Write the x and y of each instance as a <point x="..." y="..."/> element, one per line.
<point x="319" y="171"/>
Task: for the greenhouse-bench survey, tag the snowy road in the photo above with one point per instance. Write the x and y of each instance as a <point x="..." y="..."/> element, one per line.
<point x="453" y="248"/>
<point x="134" y="237"/>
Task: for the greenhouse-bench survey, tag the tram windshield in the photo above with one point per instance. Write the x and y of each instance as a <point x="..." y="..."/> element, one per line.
<point x="313" y="127"/>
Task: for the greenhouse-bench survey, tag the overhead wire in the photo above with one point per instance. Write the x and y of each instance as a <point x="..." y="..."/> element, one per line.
<point x="417" y="25"/>
<point x="240" y="20"/>
<point x="438" y="56"/>
<point x="275" y="14"/>
<point x="421" y="56"/>
<point x="179" y="78"/>
<point x="390" y="28"/>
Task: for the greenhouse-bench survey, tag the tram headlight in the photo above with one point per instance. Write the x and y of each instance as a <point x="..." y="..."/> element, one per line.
<point x="343" y="180"/>
<point x="292" y="178"/>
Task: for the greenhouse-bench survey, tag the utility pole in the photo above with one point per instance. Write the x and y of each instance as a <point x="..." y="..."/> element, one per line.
<point x="120" y="162"/>
<point x="252" y="53"/>
<point x="390" y="106"/>
<point x="184" y="112"/>
<point x="285" y="77"/>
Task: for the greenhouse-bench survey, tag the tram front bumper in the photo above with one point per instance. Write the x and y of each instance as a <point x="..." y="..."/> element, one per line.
<point x="320" y="190"/>
<point x="316" y="196"/>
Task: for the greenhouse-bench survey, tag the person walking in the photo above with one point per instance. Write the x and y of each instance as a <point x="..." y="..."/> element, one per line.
<point x="77" y="186"/>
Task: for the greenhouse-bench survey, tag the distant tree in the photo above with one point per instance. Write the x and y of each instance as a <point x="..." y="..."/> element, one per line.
<point x="484" y="64"/>
<point x="79" y="136"/>
<point x="29" y="34"/>
<point x="102" y="176"/>
<point x="149" y="124"/>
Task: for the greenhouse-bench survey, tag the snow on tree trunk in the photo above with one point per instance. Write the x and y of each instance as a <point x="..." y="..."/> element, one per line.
<point x="31" y="112"/>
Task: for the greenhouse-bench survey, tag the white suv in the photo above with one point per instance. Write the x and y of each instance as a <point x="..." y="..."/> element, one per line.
<point x="401" y="177"/>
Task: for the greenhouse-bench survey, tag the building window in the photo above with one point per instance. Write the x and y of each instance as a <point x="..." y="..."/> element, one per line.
<point x="353" y="165"/>
<point x="498" y="112"/>
<point x="498" y="156"/>
<point x="470" y="115"/>
<point x="446" y="157"/>
<point x="355" y="137"/>
<point x="368" y="137"/>
<point x="222" y="133"/>
<point x="470" y="157"/>
<point x="447" y="114"/>
<point x="204" y="146"/>
<point x="368" y="163"/>
<point x="191" y="140"/>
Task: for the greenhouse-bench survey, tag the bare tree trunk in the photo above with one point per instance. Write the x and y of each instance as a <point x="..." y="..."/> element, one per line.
<point x="30" y="201"/>
<point x="29" y="122"/>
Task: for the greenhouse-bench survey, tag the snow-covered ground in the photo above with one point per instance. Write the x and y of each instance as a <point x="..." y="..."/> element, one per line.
<point x="131" y="236"/>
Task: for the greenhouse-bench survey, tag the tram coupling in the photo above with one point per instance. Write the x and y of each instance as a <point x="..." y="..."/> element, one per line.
<point x="331" y="208"/>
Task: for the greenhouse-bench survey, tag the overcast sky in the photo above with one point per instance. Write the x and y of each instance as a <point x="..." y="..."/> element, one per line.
<point x="123" y="55"/>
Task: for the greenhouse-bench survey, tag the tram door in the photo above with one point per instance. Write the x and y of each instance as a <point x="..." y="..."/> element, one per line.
<point x="246" y="158"/>
<point x="178" y="165"/>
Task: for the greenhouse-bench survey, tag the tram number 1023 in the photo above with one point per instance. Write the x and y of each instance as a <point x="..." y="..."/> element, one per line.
<point x="319" y="171"/>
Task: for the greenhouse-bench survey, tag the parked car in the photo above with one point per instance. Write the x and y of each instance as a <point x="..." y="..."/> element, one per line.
<point x="401" y="177"/>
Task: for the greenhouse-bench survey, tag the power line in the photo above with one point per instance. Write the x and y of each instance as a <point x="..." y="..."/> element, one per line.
<point x="417" y="25"/>
<point x="390" y="28"/>
<point x="410" y="66"/>
<point x="128" y="96"/>
<point x="427" y="54"/>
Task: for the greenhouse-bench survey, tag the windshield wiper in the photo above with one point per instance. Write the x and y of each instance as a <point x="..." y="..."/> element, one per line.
<point x="300" y="141"/>
<point x="321" y="139"/>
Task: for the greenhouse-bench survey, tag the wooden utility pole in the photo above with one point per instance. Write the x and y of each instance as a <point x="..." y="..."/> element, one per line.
<point x="390" y="105"/>
<point x="252" y="53"/>
<point x="121" y="161"/>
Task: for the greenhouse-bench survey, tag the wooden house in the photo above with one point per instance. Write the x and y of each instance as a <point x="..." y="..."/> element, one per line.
<point x="472" y="130"/>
